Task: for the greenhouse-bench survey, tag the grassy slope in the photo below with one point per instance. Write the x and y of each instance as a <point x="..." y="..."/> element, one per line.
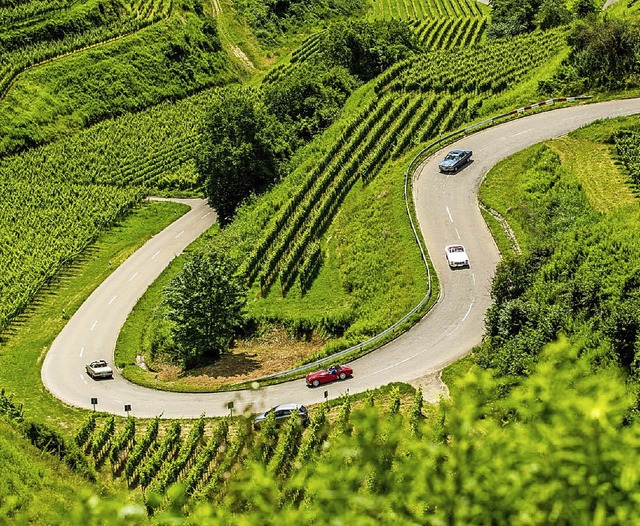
<point x="583" y="155"/>
<point x="127" y="74"/>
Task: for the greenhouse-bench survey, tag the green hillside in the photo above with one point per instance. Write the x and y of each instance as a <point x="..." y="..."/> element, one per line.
<point x="105" y="102"/>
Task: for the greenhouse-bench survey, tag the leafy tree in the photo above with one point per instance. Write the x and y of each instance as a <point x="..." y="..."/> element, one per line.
<point x="365" y="48"/>
<point x="552" y="13"/>
<point x="512" y="17"/>
<point x="310" y="99"/>
<point x="584" y="8"/>
<point x="243" y="145"/>
<point x="206" y="305"/>
<point x="605" y="52"/>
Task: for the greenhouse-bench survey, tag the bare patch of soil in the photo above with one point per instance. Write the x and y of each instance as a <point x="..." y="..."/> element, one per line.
<point x="271" y="353"/>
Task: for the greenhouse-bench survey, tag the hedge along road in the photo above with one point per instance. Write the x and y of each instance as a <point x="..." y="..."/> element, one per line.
<point x="447" y="211"/>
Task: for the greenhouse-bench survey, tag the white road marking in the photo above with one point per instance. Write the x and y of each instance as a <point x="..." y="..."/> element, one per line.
<point x="94" y="324"/>
<point x="112" y="300"/>
<point x="473" y="277"/>
<point x="522" y="132"/>
<point x="133" y="277"/>
<point x="207" y="214"/>
<point x="179" y="235"/>
<point x="460" y="322"/>
<point x="467" y="314"/>
<point x="82" y="378"/>
<point x="158" y="252"/>
<point x="81" y="352"/>
<point x="119" y="401"/>
<point x="457" y="233"/>
<point x="449" y="213"/>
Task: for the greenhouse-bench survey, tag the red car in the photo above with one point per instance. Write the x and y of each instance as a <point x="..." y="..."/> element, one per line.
<point x="333" y="373"/>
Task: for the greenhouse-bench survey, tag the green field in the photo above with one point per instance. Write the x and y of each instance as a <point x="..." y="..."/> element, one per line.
<point x="104" y="102"/>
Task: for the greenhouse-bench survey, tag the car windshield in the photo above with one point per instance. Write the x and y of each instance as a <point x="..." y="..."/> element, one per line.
<point x="451" y="156"/>
<point x="456" y="249"/>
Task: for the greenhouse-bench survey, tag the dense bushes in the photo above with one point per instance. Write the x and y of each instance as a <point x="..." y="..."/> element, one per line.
<point x="604" y="55"/>
<point x="579" y="277"/>
<point x="309" y="101"/>
<point x="366" y="49"/>
<point x="512" y="17"/>
<point x="628" y="148"/>
<point x="272" y="18"/>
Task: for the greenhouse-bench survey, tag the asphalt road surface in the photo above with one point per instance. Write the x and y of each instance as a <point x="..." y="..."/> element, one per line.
<point x="448" y="213"/>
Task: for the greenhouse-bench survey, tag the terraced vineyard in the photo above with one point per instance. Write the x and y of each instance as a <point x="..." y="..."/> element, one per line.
<point x="421" y="9"/>
<point x="404" y="113"/>
<point x="488" y="69"/>
<point x="447" y="33"/>
<point x="37" y="31"/>
<point x="464" y="28"/>
<point x="111" y="165"/>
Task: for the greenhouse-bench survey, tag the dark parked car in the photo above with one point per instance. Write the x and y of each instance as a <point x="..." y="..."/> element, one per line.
<point x="283" y="413"/>
<point x="455" y="160"/>
<point x="333" y="373"/>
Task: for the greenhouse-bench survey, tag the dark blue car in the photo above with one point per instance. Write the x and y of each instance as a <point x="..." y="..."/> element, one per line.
<point x="455" y="160"/>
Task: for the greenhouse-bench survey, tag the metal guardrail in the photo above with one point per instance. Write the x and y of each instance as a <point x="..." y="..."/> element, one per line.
<point x="417" y="160"/>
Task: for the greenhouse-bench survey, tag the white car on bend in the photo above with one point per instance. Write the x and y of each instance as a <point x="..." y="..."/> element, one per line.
<point x="456" y="256"/>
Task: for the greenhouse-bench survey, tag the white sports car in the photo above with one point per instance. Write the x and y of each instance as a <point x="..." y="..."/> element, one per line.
<point x="99" y="369"/>
<point x="456" y="256"/>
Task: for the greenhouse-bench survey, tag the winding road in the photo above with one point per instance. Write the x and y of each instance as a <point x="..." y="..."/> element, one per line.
<point x="447" y="210"/>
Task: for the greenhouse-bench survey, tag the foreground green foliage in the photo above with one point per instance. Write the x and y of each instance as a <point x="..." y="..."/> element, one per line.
<point x="558" y="449"/>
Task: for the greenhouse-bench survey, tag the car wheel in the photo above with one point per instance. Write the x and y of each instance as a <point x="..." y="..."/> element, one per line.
<point x="315" y="383"/>
<point x="343" y="376"/>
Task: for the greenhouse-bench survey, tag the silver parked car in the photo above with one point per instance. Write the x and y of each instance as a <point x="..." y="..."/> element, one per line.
<point x="282" y="413"/>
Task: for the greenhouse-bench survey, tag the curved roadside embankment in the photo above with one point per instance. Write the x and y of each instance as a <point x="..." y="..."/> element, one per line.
<point x="447" y="210"/>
